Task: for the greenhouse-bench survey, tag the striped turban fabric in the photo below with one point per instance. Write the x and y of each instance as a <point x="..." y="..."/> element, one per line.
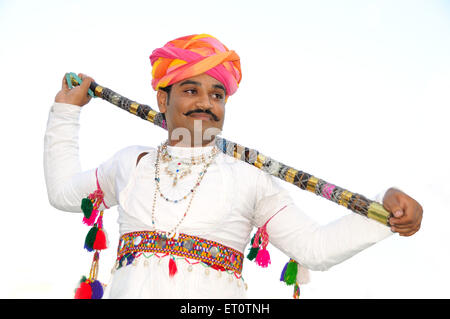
<point x="193" y="55"/>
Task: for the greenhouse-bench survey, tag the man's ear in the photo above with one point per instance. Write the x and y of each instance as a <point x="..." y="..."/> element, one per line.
<point x="161" y="97"/>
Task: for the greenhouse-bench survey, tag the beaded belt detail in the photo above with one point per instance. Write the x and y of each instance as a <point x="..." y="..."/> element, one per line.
<point x="216" y="255"/>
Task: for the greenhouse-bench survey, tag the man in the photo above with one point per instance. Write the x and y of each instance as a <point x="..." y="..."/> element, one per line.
<point x="186" y="210"/>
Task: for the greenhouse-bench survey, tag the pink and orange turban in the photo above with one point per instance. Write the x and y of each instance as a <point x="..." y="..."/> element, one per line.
<point x="192" y="55"/>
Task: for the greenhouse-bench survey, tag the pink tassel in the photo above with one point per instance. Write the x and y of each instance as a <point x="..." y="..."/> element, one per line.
<point x="91" y="220"/>
<point x="263" y="258"/>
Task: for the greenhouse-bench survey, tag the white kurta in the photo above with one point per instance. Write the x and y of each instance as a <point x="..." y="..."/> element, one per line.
<point x="232" y="199"/>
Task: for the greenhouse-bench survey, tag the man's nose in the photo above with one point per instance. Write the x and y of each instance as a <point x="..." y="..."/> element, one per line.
<point x="203" y="102"/>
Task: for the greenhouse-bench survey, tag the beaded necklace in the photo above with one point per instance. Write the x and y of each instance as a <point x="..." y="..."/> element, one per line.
<point x="190" y="193"/>
<point x="180" y="167"/>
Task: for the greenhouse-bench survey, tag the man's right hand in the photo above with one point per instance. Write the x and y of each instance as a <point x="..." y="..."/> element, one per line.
<point x="76" y="96"/>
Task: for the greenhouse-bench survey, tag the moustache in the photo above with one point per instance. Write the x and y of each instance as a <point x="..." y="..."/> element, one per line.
<point x="215" y="118"/>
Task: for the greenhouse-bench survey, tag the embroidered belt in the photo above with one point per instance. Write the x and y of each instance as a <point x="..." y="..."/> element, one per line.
<point x="209" y="252"/>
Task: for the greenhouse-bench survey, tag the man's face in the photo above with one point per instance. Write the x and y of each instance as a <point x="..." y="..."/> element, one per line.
<point x="196" y="106"/>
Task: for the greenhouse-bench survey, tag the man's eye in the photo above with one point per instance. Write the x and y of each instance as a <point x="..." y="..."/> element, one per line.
<point x="218" y="96"/>
<point x="191" y="91"/>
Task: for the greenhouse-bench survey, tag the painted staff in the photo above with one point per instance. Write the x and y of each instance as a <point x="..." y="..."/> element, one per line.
<point x="355" y="202"/>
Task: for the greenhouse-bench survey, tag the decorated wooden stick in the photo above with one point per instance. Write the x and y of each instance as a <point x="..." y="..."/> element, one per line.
<point x="353" y="201"/>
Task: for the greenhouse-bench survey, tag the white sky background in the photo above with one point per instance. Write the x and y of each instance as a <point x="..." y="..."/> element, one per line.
<point x="353" y="92"/>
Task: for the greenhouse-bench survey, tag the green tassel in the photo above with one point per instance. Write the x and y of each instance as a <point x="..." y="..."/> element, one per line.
<point x="90" y="238"/>
<point x="87" y="207"/>
<point x="290" y="276"/>
<point x="253" y="251"/>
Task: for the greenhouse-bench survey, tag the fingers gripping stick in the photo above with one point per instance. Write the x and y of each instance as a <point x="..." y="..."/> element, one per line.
<point x="74" y="80"/>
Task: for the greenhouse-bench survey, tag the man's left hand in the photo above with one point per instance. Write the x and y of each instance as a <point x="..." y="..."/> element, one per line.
<point x="406" y="212"/>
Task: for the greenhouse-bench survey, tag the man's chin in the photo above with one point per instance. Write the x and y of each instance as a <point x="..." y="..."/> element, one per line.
<point x="195" y="136"/>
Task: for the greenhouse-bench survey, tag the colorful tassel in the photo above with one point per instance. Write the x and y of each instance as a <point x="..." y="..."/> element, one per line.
<point x="258" y="249"/>
<point x="253" y="253"/>
<point x="89" y="289"/>
<point x="84" y="291"/>
<point x="96" y="240"/>
<point x="91" y="219"/>
<point x="172" y="267"/>
<point x="87" y="206"/>
<point x="253" y="250"/>
<point x="263" y="258"/>
<point x="90" y="238"/>
<point x="100" y="240"/>
<point x="290" y="275"/>
<point x="97" y="289"/>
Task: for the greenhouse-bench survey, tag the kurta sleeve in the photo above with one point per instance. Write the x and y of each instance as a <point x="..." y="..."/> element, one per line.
<point x="314" y="246"/>
<point x="66" y="183"/>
